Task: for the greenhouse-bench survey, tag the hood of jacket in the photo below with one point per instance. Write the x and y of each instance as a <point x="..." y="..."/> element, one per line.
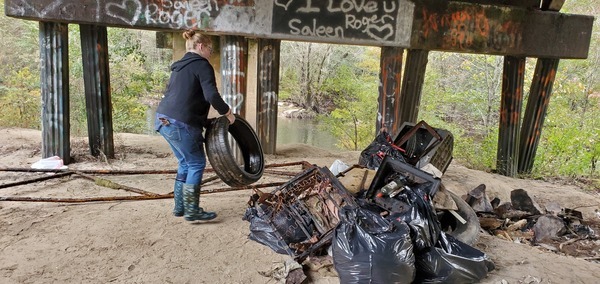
<point x="187" y="59"/>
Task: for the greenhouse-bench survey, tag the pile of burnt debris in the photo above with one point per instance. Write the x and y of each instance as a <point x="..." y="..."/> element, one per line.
<point x="380" y="221"/>
<point x="523" y="220"/>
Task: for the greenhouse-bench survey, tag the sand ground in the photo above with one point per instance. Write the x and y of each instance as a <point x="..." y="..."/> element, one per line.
<point x="141" y="242"/>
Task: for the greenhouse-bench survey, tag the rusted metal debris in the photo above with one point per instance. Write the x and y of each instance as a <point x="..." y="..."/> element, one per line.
<point x="99" y="172"/>
<point x="130" y="198"/>
<point x="58" y="175"/>
<point x="303" y="218"/>
<point x="111" y="184"/>
<point x="84" y="200"/>
<point x="304" y="165"/>
<point x="281" y="173"/>
<point x="145" y="195"/>
<point x="302" y="212"/>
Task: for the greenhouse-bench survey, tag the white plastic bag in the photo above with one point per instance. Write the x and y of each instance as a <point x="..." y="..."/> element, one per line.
<point x="54" y="162"/>
<point x="338" y="167"/>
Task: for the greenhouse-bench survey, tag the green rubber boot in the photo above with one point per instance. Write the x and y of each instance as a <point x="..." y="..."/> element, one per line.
<point x="191" y="200"/>
<point x="178" y="197"/>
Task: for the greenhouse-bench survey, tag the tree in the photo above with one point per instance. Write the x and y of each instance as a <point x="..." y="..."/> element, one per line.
<point x="307" y="68"/>
<point x="355" y="88"/>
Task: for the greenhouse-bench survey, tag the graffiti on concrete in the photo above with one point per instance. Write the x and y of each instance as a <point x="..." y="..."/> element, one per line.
<point x="175" y="14"/>
<point x="349" y="19"/>
<point x="471" y="28"/>
<point x="367" y="22"/>
<point x="233" y="72"/>
<point x="268" y="57"/>
<point x="180" y="14"/>
<point x="68" y="11"/>
<point x="127" y="11"/>
<point x="389" y="88"/>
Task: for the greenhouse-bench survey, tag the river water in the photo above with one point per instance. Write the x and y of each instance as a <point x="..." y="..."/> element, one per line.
<point x="304" y="131"/>
<point x="289" y="131"/>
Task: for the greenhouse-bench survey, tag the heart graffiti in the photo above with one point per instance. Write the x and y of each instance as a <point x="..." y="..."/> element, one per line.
<point x="380" y="33"/>
<point x="122" y="11"/>
<point x="284" y="5"/>
<point x="235" y="101"/>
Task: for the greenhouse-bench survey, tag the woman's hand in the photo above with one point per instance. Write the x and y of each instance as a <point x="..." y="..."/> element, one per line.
<point x="230" y="116"/>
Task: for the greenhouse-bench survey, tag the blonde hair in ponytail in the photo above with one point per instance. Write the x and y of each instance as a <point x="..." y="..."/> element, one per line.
<point x="192" y="38"/>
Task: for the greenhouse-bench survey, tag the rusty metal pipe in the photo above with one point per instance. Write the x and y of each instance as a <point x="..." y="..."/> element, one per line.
<point x="111" y="184"/>
<point x="35" y="180"/>
<point x="281" y="173"/>
<point x="130" y="198"/>
<point x="304" y="164"/>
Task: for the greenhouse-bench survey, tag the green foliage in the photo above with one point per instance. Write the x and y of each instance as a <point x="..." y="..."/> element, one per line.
<point x="570" y="144"/>
<point x="19" y="76"/>
<point x="19" y="46"/>
<point x="354" y="88"/>
<point x="464" y="101"/>
<point x="78" y="118"/>
<point x="569" y="141"/>
<point x="20" y="100"/>
<point x="307" y="69"/>
<point x="138" y="74"/>
<point x="135" y="86"/>
<point x="128" y="115"/>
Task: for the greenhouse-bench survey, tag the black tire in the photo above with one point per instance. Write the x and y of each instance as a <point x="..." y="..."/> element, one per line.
<point x="221" y="155"/>
<point x="467" y="233"/>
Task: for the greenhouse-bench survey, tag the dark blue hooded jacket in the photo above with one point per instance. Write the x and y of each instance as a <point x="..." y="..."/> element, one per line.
<point x="190" y="91"/>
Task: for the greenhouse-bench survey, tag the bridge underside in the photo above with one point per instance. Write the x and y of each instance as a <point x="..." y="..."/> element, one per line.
<point x="515" y="29"/>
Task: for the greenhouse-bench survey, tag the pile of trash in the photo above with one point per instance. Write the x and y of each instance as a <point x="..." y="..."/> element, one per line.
<point x="380" y="226"/>
<point x="523" y="220"/>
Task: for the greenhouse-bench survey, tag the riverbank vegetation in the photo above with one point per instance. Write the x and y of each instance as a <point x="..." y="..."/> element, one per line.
<point x="338" y="86"/>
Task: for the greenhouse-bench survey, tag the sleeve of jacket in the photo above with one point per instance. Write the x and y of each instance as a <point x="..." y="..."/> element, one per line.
<point x="206" y="76"/>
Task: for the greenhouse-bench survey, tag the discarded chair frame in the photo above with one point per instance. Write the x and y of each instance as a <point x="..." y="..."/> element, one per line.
<point x="424" y="144"/>
<point x="313" y="182"/>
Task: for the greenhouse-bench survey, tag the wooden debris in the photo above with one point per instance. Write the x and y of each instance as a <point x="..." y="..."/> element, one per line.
<point x="357" y="179"/>
<point x="517" y="225"/>
<point x="490" y="223"/>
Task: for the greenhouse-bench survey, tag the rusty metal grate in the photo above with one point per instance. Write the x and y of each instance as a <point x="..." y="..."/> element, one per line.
<point x="304" y="212"/>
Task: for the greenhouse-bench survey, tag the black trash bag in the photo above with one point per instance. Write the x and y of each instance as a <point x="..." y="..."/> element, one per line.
<point x="369" y="249"/>
<point x="276" y="230"/>
<point x="425" y="227"/>
<point x="383" y="145"/>
<point x="452" y="261"/>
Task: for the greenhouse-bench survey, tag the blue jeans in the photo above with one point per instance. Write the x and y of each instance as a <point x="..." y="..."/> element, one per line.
<point x="187" y="145"/>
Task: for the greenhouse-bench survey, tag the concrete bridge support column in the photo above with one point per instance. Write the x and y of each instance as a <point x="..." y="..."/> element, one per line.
<point x="535" y="112"/>
<point x="234" y="68"/>
<point x="412" y="86"/>
<point x="267" y="93"/>
<point x="390" y="74"/>
<point x="54" y="57"/>
<point x="507" y="156"/>
<point x="96" y="77"/>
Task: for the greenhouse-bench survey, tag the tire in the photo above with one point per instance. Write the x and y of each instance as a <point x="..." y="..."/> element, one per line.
<point x="467" y="233"/>
<point x="222" y="156"/>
